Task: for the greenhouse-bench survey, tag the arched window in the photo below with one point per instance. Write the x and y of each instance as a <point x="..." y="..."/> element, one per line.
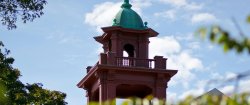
<point x="128" y="50"/>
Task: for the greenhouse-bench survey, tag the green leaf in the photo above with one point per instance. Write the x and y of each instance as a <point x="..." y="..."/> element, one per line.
<point x="212" y="37"/>
<point x="125" y="102"/>
<point x="222" y="39"/>
<point x="93" y="103"/>
<point x="248" y="19"/>
<point x="225" y="47"/>
<point x="248" y="48"/>
<point x="25" y="10"/>
<point x="202" y="32"/>
<point x="232" y="43"/>
<point x="216" y="29"/>
<point x="239" y="48"/>
<point x="3" y="98"/>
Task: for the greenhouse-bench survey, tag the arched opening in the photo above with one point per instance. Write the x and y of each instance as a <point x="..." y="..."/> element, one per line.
<point x="129" y="55"/>
<point x="124" y="91"/>
<point x="128" y="50"/>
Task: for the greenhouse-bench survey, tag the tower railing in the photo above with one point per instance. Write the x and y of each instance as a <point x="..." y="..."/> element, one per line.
<point x="110" y="59"/>
<point x="134" y="62"/>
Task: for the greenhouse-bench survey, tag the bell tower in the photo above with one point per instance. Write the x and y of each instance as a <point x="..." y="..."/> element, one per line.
<point x="124" y="69"/>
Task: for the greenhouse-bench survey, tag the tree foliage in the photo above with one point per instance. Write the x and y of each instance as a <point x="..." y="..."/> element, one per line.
<point x="223" y="38"/>
<point x="248" y="19"/>
<point x="27" y="10"/>
<point x="241" y="99"/>
<point x="3" y="98"/>
<point x="14" y="92"/>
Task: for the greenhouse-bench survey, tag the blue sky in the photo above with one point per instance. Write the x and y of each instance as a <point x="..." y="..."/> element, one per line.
<point x="56" y="48"/>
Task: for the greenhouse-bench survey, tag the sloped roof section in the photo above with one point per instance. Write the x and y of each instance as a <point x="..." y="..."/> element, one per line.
<point x="213" y="92"/>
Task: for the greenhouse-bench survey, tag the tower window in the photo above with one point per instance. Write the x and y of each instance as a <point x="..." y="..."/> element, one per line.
<point x="129" y="49"/>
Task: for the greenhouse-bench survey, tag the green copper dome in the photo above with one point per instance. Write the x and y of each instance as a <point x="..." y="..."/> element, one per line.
<point x="128" y="18"/>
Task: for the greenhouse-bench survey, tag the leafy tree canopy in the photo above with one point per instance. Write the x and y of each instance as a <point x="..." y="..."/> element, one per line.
<point x="240" y="99"/>
<point x="223" y="38"/>
<point x="14" y="92"/>
<point x="27" y="10"/>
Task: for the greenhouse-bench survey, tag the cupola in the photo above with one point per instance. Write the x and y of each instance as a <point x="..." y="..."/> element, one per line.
<point x="128" y="18"/>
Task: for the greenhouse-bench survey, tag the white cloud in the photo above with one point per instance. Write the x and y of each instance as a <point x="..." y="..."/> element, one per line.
<point x="163" y="46"/>
<point x="172" y="97"/>
<point x="211" y="67"/>
<point x="194" y="45"/>
<point x="243" y="60"/>
<point x="169" y="47"/>
<point x="227" y="89"/>
<point x="210" y="47"/>
<point x="189" y="62"/>
<point x="64" y="38"/>
<point x="185" y="37"/>
<point x="175" y="2"/>
<point x="169" y="14"/>
<point x="186" y="64"/>
<point x="184" y="4"/>
<point x="141" y="3"/>
<point x="192" y="92"/>
<point x="227" y="82"/>
<point x="181" y="9"/>
<point x="244" y="86"/>
<point x="220" y="77"/>
<point x="103" y="14"/>
<point x="203" y="18"/>
<point x="193" y="6"/>
<point x="216" y="75"/>
<point x="230" y="75"/>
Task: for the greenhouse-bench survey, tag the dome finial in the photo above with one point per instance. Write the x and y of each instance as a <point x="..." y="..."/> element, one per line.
<point x="114" y="22"/>
<point x="146" y="24"/>
<point x="126" y="4"/>
<point x="126" y="1"/>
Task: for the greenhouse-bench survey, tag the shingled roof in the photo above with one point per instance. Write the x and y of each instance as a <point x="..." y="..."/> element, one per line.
<point x="213" y="92"/>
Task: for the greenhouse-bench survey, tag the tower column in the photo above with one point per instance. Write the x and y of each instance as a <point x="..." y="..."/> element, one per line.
<point x="88" y="97"/>
<point x="160" y="92"/>
<point x="107" y="89"/>
<point x="111" y="92"/>
<point x="107" y="93"/>
<point x="160" y="88"/>
<point x="102" y="93"/>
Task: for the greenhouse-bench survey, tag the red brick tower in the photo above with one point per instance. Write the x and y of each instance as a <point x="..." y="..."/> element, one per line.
<point x="117" y="76"/>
